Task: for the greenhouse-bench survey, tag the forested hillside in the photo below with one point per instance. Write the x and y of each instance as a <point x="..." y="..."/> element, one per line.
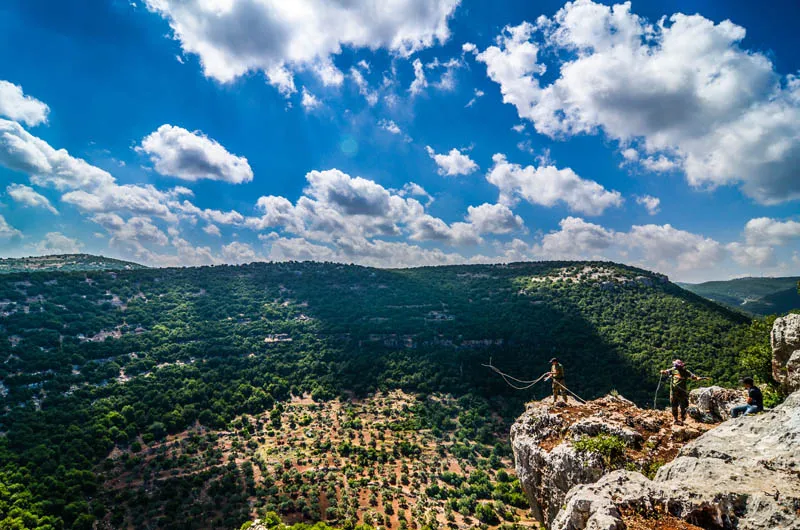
<point x="758" y="296"/>
<point x="103" y="368"/>
<point x="65" y="262"/>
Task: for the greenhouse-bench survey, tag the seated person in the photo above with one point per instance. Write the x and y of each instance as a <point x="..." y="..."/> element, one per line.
<point x="755" y="400"/>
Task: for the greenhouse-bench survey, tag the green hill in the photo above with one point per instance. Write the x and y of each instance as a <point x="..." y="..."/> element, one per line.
<point x="65" y="262"/>
<point x="758" y="296"/>
<point x="100" y="361"/>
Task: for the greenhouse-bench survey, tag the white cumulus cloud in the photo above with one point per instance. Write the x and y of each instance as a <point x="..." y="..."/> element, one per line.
<point x="212" y="230"/>
<point x="234" y="37"/>
<point x="651" y="204"/>
<point x="666" y="247"/>
<point x="548" y="185"/>
<point x="131" y="232"/>
<point x="135" y="199"/>
<point x="420" y="82"/>
<point x="27" y="196"/>
<point x="192" y="156"/>
<point x="348" y="214"/>
<point x="309" y="101"/>
<point x="751" y="255"/>
<point x="767" y="231"/>
<point x="412" y="189"/>
<point x="494" y="219"/>
<point x="58" y="243"/>
<point x="682" y="91"/>
<point x="363" y="87"/>
<point x="14" y="104"/>
<point x="7" y="231"/>
<point x="576" y="239"/>
<point x="453" y="164"/>
<point x="23" y="152"/>
<point x="238" y="253"/>
<point x="662" y="248"/>
<point x="390" y="126"/>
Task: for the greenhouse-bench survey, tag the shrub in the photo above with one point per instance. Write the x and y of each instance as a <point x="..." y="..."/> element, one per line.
<point x="486" y="514"/>
<point x="609" y="446"/>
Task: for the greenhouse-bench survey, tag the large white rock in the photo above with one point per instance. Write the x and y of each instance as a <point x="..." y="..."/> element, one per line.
<point x="713" y="404"/>
<point x="546" y="474"/>
<point x="549" y="466"/>
<point x="744" y="474"/>
<point x="785" y="339"/>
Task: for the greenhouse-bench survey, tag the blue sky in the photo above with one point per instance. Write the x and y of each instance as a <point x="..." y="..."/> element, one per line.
<point x="185" y="132"/>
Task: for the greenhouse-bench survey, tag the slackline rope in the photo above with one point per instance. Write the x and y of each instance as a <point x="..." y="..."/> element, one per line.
<point x="528" y="384"/>
<point x="655" y="397"/>
<point x="571" y="393"/>
<point x="509" y="378"/>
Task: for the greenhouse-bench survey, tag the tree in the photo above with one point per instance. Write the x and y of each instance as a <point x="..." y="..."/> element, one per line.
<point x="158" y="430"/>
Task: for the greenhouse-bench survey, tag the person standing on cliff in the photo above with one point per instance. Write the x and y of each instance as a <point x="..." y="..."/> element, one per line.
<point x="755" y="399"/>
<point x="557" y="375"/>
<point x="678" y="388"/>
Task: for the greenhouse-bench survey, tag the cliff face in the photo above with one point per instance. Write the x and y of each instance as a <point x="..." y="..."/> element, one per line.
<point x="744" y="474"/>
<point x="557" y="448"/>
<point x="785" y="341"/>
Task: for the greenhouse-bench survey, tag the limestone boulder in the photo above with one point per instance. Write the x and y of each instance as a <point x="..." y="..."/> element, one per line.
<point x="549" y="465"/>
<point x="785" y="340"/>
<point x="743" y="474"/>
<point x="713" y="404"/>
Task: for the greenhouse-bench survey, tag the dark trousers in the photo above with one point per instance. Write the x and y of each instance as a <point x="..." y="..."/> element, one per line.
<point x="678" y="400"/>
<point x="558" y="390"/>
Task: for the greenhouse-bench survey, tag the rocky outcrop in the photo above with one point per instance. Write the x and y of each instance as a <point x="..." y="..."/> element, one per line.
<point x="713" y="404"/>
<point x="744" y="474"/>
<point x="550" y="446"/>
<point x="785" y="339"/>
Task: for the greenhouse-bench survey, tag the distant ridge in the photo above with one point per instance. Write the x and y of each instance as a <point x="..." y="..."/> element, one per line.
<point x="66" y="263"/>
<point x="755" y="295"/>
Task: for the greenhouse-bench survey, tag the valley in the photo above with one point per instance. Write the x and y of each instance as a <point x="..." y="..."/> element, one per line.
<point x="320" y="392"/>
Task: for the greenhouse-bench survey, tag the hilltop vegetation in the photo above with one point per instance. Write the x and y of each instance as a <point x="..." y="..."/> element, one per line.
<point x="758" y="296"/>
<point x="66" y="263"/>
<point x="99" y="365"/>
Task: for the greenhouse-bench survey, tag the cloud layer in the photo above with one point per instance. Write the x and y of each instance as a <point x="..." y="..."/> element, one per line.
<point x="278" y="37"/>
<point x="680" y="96"/>
<point x="682" y="92"/>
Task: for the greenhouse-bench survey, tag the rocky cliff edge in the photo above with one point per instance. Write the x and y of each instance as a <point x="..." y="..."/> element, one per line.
<point x="744" y="474"/>
<point x="559" y="447"/>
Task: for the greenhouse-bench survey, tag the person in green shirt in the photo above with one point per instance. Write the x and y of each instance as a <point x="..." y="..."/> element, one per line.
<point x="678" y="388"/>
<point x="557" y="375"/>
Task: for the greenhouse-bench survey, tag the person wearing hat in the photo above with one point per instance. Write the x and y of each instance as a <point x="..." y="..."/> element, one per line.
<point x="755" y="399"/>
<point x="557" y="375"/>
<point x="678" y="389"/>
